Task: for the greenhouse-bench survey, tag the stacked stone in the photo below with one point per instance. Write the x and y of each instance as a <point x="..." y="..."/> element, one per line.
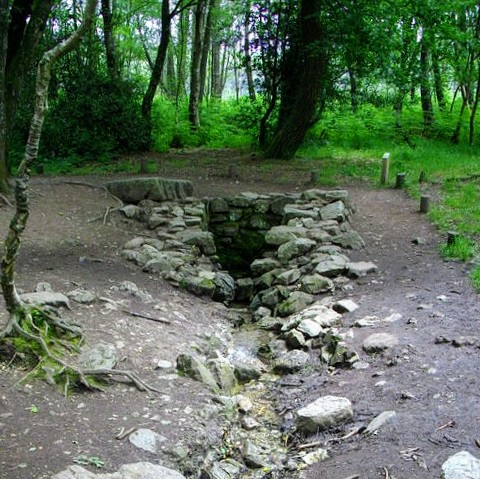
<point x="302" y="238"/>
<point x="306" y="253"/>
<point x="183" y="252"/>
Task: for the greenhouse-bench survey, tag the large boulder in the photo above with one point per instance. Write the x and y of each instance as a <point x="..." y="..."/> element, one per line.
<point x="156" y="189"/>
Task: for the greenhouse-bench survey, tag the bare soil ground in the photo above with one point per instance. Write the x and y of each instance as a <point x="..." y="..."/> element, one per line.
<point x="434" y="388"/>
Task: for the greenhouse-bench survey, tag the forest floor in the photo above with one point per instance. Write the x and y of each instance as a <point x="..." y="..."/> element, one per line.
<point x="433" y="387"/>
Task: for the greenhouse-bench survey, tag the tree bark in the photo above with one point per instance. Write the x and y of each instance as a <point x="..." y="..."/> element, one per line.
<point x="425" y="89"/>
<point x="26" y="27"/>
<point x="195" y="69"/>
<point x="303" y="88"/>
<point x="216" y="73"/>
<point x="157" y="71"/>
<point x="246" y="52"/>
<point x="353" y="89"/>
<point x="109" y="41"/>
<point x="206" y="46"/>
<point x="438" y="80"/>
<point x="4" y="17"/>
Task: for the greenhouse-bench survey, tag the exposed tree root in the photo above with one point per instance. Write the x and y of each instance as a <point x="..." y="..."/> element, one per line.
<point x="6" y="200"/>
<point x="50" y="340"/>
<point x="91" y="185"/>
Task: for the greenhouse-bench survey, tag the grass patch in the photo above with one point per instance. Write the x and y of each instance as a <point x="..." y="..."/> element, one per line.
<point x="460" y="248"/>
<point x="475" y="277"/>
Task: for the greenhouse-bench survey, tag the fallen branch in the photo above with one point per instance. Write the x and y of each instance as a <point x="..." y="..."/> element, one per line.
<point x="145" y="316"/>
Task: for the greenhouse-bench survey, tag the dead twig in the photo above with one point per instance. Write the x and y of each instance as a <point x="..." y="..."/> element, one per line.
<point x="352" y="433"/>
<point x="146" y="316"/>
<point x="310" y="444"/>
<point x="448" y="424"/>
<point x="387" y="474"/>
<point x="355" y="476"/>
<point x="124" y="433"/>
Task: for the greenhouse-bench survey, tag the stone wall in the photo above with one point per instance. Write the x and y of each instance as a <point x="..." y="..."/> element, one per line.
<point x="294" y="246"/>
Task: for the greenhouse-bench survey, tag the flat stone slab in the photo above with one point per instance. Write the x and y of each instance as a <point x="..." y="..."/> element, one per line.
<point x="379" y="421"/>
<point x="147" y="440"/>
<point x="323" y="413"/>
<point x="155" y="189"/>
<point x="144" y="470"/>
<point x="378" y="342"/>
<point x="46" y="298"/>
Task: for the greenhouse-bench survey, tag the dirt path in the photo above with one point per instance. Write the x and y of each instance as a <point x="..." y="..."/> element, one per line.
<point x="427" y="384"/>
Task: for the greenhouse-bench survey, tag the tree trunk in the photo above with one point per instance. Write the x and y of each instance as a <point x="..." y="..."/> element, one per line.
<point x="157" y="71"/>
<point x="195" y="69"/>
<point x="303" y="89"/>
<point x="246" y="52"/>
<point x="353" y="90"/>
<point x="27" y="23"/>
<point x="183" y="35"/>
<point x="170" y="74"/>
<point x="473" y="113"/>
<point x="110" y="49"/>
<point x="4" y="17"/>
<point x="206" y="45"/>
<point x="425" y="90"/>
<point x="439" y="87"/>
<point x="19" y="221"/>
<point x="458" y="128"/>
<point x="216" y="73"/>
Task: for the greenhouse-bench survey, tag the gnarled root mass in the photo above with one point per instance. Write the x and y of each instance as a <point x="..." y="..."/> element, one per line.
<point x="42" y="336"/>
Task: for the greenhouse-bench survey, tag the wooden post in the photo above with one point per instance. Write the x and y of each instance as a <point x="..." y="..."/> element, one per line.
<point x="424" y="203"/>
<point x="400" y="181"/>
<point x="314" y="177"/>
<point x="385" y="168"/>
<point x="143" y="165"/>
<point x="423" y="177"/>
<point x="452" y="237"/>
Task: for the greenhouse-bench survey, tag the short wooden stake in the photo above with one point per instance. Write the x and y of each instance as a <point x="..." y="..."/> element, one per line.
<point x="385" y="168"/>
<point x="424" y="203"/>
<point x="452" y="237"/>
<point x="400" y="181"/>
<point x="314" y="177"/>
